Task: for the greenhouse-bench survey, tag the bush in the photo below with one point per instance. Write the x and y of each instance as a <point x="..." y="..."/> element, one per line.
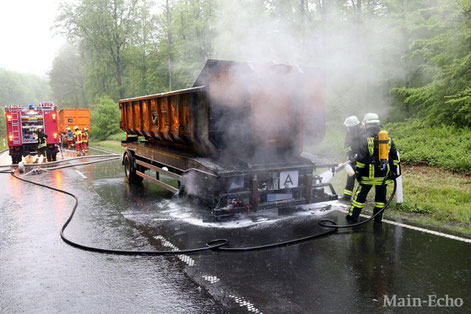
<point x="438" y="145"/>
<point x="105" y="118"/>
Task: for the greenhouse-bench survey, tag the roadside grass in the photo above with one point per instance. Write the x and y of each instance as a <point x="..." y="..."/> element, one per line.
<point x="110" y="145"/>
<point x="437" y="197"/>
<point x="438" y="146"/>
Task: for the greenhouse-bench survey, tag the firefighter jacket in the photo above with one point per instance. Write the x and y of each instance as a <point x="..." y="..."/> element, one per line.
<point x="352" y="141"/>
<point x="78" y="137"/>
<point x="42" y="139"/>
<point x="70" y="135"/>
<point x="369" y="170"/>
<point x="85" y="137"/>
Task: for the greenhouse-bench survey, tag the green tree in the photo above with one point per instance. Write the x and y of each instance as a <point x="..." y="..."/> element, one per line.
<point x="439" y="88"/>
<point x="104" y="30"/>
<point x="105" y="118"/>
<point x="67" y="78"/>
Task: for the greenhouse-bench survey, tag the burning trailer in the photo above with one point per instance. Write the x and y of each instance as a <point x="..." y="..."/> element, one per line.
<point x="234" y="140"/>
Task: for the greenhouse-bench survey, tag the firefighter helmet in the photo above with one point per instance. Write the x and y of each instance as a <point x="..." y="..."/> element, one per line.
<point x="85" y="129"/>
<point x="371" y="120"/>
<point x="351" y="121"/>
<point x="75" y="128"/>
<point x="68" y="129"/>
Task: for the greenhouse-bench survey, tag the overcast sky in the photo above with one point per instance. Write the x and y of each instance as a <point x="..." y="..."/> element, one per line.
<point x="27" y="43"/>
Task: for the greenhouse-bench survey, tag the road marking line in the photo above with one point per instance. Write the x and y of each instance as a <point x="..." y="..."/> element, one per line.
<point x="183" y="257"/>
<point x="242" y="302"/>
<point x="81" y="174"/>
<point x="211" y="279"/>
<point x="440" y="234"/>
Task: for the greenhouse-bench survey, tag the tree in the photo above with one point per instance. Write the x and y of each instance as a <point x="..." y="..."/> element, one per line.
<point x="104" y="30"/>
<point x="439" y="88"/>
<point x="105" y="118"/>
<point x="67" y="78"/>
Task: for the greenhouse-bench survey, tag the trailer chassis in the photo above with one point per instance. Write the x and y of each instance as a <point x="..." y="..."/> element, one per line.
<point x="225" y="189"/>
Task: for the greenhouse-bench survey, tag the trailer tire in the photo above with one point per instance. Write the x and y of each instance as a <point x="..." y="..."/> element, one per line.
<point x="129" y="170"/>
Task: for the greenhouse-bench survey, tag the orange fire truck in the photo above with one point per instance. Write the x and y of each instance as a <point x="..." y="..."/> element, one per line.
<point x="23" y="123"/>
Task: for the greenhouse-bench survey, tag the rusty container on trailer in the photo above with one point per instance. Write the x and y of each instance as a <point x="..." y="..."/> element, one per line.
<point x="71" y="117"/>
<point x="247" y="110"/>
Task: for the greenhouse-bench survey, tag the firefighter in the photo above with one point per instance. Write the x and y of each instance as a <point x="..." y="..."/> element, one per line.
<point x="42" y="144"/>
<point x="70" y="138"/>
<point x="78" y="140"/>
<point x="85" y="139"/>
<point x="351" y="147"/>
<point x="377" y="162"/>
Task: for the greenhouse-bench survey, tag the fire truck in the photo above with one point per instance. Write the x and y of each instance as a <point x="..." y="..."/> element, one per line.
<point x="23" y="123"/>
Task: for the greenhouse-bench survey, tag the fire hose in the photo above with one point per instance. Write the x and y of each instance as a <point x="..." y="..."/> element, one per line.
<point x="212" y="245"/>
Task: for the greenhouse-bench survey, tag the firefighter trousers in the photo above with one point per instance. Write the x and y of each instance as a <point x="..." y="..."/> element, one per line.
<point x="348" y="192"/>
<point x="360" y="197"/>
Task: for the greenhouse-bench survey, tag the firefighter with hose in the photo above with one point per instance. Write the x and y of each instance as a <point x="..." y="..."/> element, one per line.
<point x="78" y="140"/>
<point x="41" y="142"/>
<point x="351" y="147"/>
<point x="377" y="163"/>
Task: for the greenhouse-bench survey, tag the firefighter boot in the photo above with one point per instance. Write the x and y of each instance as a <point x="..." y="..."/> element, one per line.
<point x="380" y="216"/>
<point x="353" y="214"/>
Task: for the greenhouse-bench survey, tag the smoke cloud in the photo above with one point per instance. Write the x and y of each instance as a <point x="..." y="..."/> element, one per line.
<point x="358" y="58"/>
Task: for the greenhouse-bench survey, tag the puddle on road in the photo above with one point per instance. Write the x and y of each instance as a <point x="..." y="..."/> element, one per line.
<point x="181" y="212"/>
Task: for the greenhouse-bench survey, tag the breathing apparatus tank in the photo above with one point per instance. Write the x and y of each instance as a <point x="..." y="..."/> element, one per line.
<point x="383" y="148"/>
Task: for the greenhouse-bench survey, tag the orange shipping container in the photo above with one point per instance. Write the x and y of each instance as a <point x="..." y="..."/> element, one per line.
<point x="69" y="118"/>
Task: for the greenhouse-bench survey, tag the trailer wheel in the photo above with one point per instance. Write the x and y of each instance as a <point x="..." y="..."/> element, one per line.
<point x="129" y="170"/>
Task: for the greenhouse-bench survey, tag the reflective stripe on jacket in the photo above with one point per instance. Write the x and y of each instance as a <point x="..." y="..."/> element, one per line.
<point x="78" y="137"/>
<point x="368" y="167"/>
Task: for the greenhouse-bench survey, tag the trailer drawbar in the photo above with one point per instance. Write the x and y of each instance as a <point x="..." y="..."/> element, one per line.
<point x="221" y="245"/>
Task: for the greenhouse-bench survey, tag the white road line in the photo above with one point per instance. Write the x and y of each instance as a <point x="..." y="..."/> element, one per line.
<point x="211" y="279"/>
<point x="81" y="174"/>
<point x="440" y="234"/>
<point x="183" y="257"/>
<point x="243" y="302"/>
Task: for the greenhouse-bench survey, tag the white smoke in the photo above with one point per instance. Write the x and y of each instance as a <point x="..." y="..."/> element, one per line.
<point x="358" y="58"/>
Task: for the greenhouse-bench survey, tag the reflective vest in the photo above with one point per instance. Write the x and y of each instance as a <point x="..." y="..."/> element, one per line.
<point x="78" y="137"/>
<point x="70" y="135"/>
<point x="42" y="140"/>
<point x="85" y="136"/>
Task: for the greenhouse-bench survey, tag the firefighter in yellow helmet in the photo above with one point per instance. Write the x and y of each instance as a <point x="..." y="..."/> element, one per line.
<point x="376" y="164"/>
<point x="70" y="138"/>
<point x="78" y="140"/>
<point x="85" y="139"/>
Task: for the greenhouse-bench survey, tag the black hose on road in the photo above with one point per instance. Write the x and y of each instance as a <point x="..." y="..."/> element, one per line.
<point x="214" y="245"/>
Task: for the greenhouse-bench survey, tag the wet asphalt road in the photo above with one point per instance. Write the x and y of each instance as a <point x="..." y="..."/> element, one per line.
<point x="350" y="271"/>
